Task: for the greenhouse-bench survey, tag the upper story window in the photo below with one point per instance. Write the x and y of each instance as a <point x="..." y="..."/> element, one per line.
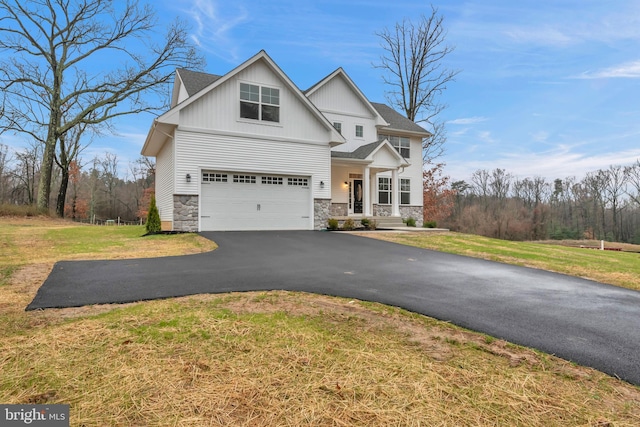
<point x="259" y="103"/>
<point x="359" y="131"/>
<point x="338" y="127"/>
<point x="402" y="144"/>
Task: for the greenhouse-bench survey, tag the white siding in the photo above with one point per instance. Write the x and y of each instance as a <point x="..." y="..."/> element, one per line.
<point x="339" y="191"/>
<point x="414" y="171"/>
<point x="199" y="150"/>
<point x="338" y="96"/>
<point x="349" y="130"/>
<point x="220" y="110"/>
<point x="165" y="181"/>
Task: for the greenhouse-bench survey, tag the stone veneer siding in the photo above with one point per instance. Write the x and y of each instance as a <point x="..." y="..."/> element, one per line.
<point x="339" y="209"/>
<point x="321" y="213"/>
<point x="415" y="212"/>
<point x="382" y="210"/>
<point x="185" y="213"/>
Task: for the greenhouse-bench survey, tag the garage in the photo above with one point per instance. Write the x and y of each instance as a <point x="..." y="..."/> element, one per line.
<point x="245" y="201"/>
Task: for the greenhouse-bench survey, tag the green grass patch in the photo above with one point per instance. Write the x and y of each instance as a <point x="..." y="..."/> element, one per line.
<point x="616" y="268"/>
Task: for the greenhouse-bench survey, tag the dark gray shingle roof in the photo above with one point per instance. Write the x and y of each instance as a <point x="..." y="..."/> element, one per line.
<point x="396" y="120"/>
<point x="195" y="81"/>
<point x="361" y="152"/>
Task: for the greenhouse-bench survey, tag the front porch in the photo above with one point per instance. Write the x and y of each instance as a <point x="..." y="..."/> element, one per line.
<point x="382" y="222"/>
<point x="365" y="183"/>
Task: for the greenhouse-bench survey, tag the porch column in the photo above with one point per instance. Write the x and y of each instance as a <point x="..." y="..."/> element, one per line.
<point x="366" y="191"/>
<point x="395" y="197"/>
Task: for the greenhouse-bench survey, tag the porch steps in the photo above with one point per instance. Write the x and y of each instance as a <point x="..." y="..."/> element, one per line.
<point x="381" y="221"/>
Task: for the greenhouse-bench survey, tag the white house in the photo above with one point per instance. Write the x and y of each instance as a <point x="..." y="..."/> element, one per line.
<point x="251" y="151"/>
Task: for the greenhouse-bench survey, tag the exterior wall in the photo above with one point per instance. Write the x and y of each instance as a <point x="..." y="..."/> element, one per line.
<point x="196" y="151"/>
<point x="412" y="211"/>
<point x="185" y="213"/>
<point x="339" y="191"/>
<point x="321" y="213"/>
<point x="381" y="210"/>
<point x="339" y="103"/>
<point x="413" y="172"/>
<point x="339" y="209"/>
<point x="220" y="110"/>
<point x="164" y="183"/>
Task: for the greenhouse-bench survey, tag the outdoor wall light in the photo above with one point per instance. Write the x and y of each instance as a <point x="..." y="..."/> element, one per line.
<point x="346" y="183"/>
<point x="321" y="184"/>
<point x="188" y="177"/>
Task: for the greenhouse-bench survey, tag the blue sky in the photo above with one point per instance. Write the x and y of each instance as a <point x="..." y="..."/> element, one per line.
<point x="547" y="89"/>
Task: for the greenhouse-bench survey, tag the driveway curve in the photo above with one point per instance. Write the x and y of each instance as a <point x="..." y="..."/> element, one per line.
<point x="586" y="322"/>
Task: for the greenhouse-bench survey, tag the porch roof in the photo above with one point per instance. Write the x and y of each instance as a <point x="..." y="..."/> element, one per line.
<point x="379" y="155"/>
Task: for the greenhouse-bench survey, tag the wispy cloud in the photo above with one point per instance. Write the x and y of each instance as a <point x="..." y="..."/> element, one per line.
<point x="561" y="162"/>
<point x="630" y="70"/>
<point x="467" y="120"/>
<point x="214" y="21"/>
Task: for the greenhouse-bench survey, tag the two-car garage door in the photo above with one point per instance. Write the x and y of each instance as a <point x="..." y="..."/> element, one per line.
<point x="244" y="201"/>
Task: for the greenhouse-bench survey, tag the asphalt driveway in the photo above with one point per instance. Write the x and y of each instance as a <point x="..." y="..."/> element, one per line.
<point x="586" y="322"/>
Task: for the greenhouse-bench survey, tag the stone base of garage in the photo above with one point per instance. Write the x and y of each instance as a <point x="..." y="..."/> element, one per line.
<point x="185" y="213"/>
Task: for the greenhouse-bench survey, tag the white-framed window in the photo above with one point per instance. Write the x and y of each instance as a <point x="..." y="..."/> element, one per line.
<point x="272" y="180"/>
<point x="298" y="182"/>
<point x="259" y="103"/>
<point x="244" y="179"/>
<point x="405" y="191"/>
<point x="359" y="131"/>
<point x="402" y="144"/>
<point x="214" y="177"/>
<point x="338" y="127"/>
<point x="384" y="191"/>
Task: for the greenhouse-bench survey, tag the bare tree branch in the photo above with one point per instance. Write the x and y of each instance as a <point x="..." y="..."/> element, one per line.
<point x="50" y="81"/>
<point x="413" y="68"/>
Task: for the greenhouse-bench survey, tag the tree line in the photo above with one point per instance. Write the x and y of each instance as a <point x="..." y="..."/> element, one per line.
<point x="603" y="205"/>
<point x="94" y="191"/>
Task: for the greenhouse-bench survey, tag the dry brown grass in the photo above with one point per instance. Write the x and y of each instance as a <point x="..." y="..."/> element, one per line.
<point x="280" y="358"/>
<point x="285" y="359"/>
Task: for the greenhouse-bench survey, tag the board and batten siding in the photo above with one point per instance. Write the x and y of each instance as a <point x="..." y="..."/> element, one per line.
<point x="220" y="110"/>
<point x="165" y="178"/>
<point x="198" y="151"/>
<point x="338" y="96"/>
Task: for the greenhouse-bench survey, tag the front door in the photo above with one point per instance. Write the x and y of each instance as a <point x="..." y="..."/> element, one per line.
<point x="357" y="196"/>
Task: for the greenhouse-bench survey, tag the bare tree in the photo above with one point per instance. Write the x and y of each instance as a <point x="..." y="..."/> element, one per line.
<point x="49" y="76"/>
<point x="412" y="65"/>
<point x="69" y="148"/>
<point x="26" y="174"/>
<point x="633" y="179"/>
<point x="4" y="176"/>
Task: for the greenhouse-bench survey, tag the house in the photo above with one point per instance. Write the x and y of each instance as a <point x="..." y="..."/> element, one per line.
<point x="250" y="151"/>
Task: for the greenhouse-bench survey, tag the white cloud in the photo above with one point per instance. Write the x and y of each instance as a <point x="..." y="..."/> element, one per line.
<point x="214" y="22"/>
<point x="467" y="120"/>
<point x="627" y="70"/>
<point x="560" y="162"/>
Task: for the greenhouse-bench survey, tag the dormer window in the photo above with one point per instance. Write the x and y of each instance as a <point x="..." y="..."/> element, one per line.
<point x="259" y="103"/>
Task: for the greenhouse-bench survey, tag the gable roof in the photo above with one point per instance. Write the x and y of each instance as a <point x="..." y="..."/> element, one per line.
<point x="195" y="81"/>
<point x="367" y="152"/>
<point x="397" y="121"/>
<point x="200" y="84"/>
<point x="380" y="121"/>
